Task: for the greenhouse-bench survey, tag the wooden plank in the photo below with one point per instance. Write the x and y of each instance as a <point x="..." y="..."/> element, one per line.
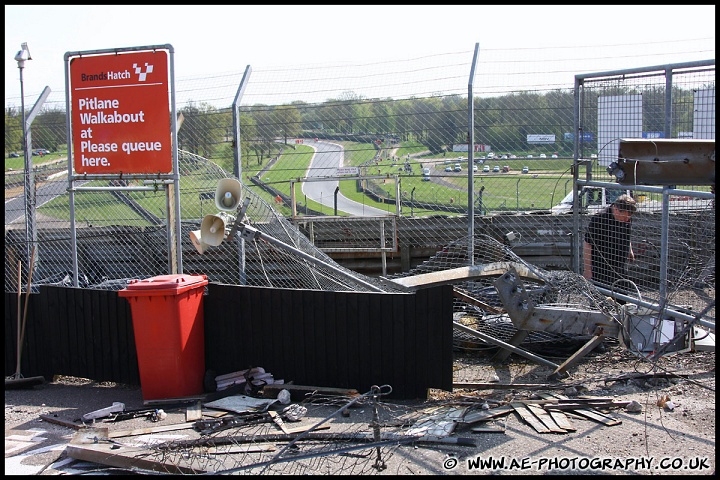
<point x="562" y="420"/>
<point x="454" y="275"/>
<point x="561" y="371"/>
<point x="93" y="445"/>
<point x="474" y="301"/>
<point x="545" y="418"/>
<point x="60" y="421"/>
<point x="507" y="386"/>
<point x="214" y="413"/>
<point x="574" y="406"/>
<point x="148" y="430"/>
<point x="585" y="400"/>
<point x="529" y="417"/>
<point x="598" y="417"/>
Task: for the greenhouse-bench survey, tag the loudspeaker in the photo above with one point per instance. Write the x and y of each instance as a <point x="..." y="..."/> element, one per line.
<point x="227" y="194"/>
<point x="196" y="239"/>
<point x="212" y="228"/>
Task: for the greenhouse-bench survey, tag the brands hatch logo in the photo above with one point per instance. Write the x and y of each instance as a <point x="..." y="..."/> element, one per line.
<point x="142" y="75"/>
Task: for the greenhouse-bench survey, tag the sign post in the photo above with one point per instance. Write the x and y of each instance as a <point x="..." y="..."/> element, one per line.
<point x="121" y="117"/>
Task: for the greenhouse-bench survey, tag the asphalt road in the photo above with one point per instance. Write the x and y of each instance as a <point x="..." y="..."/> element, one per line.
<point x="328" y="157"/>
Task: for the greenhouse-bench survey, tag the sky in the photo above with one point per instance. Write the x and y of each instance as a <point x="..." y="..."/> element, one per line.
<point x="212" y="39"/>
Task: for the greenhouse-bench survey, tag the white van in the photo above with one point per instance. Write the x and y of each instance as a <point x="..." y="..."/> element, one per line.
<point x="596" y="199"/>
<point x="592" y="200"/>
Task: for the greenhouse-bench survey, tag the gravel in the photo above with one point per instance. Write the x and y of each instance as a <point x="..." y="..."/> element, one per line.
<point x="685" y="435"/>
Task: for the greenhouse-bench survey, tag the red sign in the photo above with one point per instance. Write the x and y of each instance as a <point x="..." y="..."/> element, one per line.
<point x="121" y="113"/>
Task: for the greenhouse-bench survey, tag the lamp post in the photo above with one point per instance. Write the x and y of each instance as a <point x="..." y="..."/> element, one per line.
<point x="21" y="57"/>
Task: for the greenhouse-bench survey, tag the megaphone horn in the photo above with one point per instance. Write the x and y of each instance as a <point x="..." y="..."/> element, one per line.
<point x="196" y="239"/>
<point x="227" y="194"/>
<point x="212" y="228"/>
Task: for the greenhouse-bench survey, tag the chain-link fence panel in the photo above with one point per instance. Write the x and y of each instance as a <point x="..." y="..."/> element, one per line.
<point x="374" y="140"/>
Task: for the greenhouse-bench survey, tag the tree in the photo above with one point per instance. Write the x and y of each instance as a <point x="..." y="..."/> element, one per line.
<point x="13" y="131"/>
<point x="204" y="126"/>
<point x="289" y="121"/>
<point x="49" y="129"/>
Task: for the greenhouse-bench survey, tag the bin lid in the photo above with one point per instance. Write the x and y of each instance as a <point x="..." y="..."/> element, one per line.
<point x="167" y="284"/>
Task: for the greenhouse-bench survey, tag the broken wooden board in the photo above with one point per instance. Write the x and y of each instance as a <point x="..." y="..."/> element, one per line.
<point x="93" y="445"/>
<point x="575" y="406"/>
<point x="562" y="420"/>
<point x="455" y="275"/>
<point x="598" y="417"/>
<point x="214" y="413"/>
<point x="546" y="419"/>
<point x="60" y="421"/>
<point x="585" y="412"/>
<point x="474" y="301"/>
<point x="509" y="386"/>
<point x="149" y="430"/>
<point x="529" y="417"/>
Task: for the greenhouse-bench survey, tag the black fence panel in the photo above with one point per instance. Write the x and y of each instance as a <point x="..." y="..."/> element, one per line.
<point x="310" y="337"/>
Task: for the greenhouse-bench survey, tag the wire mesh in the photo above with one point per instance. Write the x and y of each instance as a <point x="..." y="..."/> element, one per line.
<point x="392" y="138"/>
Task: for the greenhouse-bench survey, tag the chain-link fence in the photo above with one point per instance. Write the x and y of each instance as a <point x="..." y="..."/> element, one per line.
<point x="364" y="140"/>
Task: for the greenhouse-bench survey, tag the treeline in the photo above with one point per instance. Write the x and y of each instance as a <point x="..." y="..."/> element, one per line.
<point x="438" y="122"/>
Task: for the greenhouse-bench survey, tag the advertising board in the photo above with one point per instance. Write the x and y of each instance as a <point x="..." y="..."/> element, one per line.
<point x="540" y="139"/>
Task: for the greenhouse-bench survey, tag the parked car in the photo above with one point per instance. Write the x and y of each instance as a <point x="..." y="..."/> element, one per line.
<point x="496" y="168"/>
<point x="41" y="151"/>
<point x="13" y="155"/>
<point x="506" y="168"/>
<point x="475" y="168"/>
<point x="512" y="155"/>
<point x="426" y="174"/>
<point x="525" y="170"/>
<point x="458" y="167"/>
<point x="448" y="168"/>
<point x="529" y="156"/>
<point x="486" y="169"/>
<point x="554" y="155"/>
<point x="542" y="155"/>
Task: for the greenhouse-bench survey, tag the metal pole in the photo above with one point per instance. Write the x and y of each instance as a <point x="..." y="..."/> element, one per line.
<point x="471" y="147"/>
<point x="252" y="233"/>
<point x="29" y="178"/>
<point x="337" y="189"/>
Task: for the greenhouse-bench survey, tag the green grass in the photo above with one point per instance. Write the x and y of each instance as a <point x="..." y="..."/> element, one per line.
<point x="548" y="181"/>
<point x="19" y="162"/>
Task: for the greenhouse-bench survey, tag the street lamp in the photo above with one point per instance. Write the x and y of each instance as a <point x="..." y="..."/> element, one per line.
<point x="21" y="57"/>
